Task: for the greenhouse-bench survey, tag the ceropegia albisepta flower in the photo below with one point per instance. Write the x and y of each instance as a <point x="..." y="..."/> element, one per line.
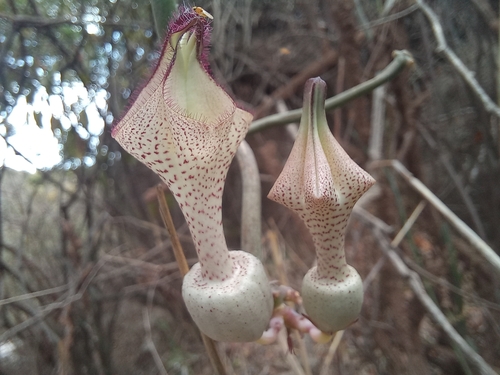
<point x="322" y="183"/>
<point x="184" y="127"/>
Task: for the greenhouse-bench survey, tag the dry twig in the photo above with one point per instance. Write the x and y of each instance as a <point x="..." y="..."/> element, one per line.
<point x="457" y="223"/>
<point x="454" y="60"/>
<point x="454" y="176"/>
<point x="63" y="301"/>
<point x="149" y="337"/>
<point x="401" y="60"/>
<point x="316" y="68"/>
<point x="418" y="288"/>
<point x="40" y="293"/>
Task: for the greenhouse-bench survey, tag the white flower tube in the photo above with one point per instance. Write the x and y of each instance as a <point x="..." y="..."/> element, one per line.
<point x="187" y="129"/>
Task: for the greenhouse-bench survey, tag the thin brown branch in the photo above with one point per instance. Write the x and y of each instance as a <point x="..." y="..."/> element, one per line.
<point x="440" y="281"/>
<point x="454" y="176"/>
<point x="434" y="311"/>
<point x="296" y="82"/>
<point x="169" y="224"/>
<point x="436" y="314"/>
<point x="479" y="244"/>
<point x="390" y="18"/>
<point x="375" y="270"/>
<point x="63" y="301"/>
<point x="374" y="221"/>
<point x="408" y="224"/>
<point x="455" y="61"/>
<point x="402" y="59"/>
<point x="51" y="333"/>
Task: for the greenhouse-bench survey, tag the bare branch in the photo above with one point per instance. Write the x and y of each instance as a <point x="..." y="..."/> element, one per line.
<point x="408" y="224"/>
<point x="401" y="60"/>
<point x="65" y="300"/>
<point x="169" y="224"/>
<point x="40" y="293"/>
<point x="459" y="225"/>
<point x="391" y="18"/>
<point x="454" y="60"/>
<point x="436" y="314"/>
<point x="441" y="281"/>
<point x="454" y="176"/>
<point x="149" y="337"/>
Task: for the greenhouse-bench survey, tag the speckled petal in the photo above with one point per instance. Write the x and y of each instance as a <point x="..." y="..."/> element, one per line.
<point x="322" y="183"/>
<point x="187" y="129"/>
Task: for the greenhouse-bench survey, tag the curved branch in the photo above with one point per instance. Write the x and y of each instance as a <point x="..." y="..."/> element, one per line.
<point x="476" y="241"/>
<point x="437" y="315"/>
<point x="401" y="60"/>
<point x="415" y="283"/>
<point x="251" y="200"/>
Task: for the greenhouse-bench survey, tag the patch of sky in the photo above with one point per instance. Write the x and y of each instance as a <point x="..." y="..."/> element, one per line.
<point x="40" y="145"/>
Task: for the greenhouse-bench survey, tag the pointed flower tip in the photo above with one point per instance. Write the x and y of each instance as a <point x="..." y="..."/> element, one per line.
<point x="315" y="88"/>
<point x="318" y="170"/>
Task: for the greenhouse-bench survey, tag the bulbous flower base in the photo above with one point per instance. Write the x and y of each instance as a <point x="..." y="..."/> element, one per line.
<point x="332" y="305"/>
<point x="237" y="309"/>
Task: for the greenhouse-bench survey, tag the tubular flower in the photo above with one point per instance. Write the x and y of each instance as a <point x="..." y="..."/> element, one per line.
<point x="185" y="128"/>
<point x="322" y="183"/>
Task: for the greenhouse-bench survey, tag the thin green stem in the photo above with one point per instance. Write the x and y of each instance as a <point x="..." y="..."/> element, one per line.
<point x="401" y="60"/>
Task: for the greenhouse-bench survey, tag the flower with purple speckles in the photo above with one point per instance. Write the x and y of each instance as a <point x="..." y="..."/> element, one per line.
<point x="186" y="128"/>
<point x="322" y="183"/>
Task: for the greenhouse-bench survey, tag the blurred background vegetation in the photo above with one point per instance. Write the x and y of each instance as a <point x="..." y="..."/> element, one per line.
<point x="88" y="283"/>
